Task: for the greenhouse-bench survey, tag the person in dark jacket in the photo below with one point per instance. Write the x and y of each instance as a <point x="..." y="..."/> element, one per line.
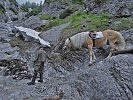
<point x="39" y="59"/>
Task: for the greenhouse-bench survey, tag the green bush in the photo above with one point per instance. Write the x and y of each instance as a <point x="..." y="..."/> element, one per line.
<point x="66" y="13"/>
<point x="34" y="12"/>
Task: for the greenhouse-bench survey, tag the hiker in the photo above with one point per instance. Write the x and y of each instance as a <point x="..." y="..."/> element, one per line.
<point x="39" y="60"/>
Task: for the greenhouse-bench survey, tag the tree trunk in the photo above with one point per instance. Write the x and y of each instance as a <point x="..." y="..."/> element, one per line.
<point x="127" y="51"/>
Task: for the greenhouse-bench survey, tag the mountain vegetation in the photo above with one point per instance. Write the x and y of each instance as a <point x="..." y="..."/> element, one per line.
<point x="35" y="8"/>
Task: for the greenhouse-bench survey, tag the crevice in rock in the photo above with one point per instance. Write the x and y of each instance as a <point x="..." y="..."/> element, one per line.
<point x="116" y="73"/>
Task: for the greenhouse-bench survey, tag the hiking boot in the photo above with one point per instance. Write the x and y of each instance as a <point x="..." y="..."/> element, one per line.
<point x="31" y="83"/>
<point x="41" y="81"/>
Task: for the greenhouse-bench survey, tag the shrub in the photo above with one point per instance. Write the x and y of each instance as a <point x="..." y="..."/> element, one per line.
<point x="34" y="12"/>
<point x="66" y="13"/>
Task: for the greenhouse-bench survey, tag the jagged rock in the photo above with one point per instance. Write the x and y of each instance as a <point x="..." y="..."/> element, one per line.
<point x="10" y="9"/>
<point x="5" y="32"/>
<point x="32" y="22"/>
<point x="21" y="16"/>
<point x="53" y="34"/>
<point x="118" y="8"/>
<point x="8" y="52"/>
<point x="3" y="18"/>
<point x="55" y="7"/>
<point x="108" y="79"/>
<point x="128" y="36"/>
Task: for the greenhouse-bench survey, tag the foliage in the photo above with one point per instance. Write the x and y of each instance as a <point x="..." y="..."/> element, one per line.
<point x="2" y="9"/>
<point x="66" y="13"/>
<point x="77" y="19"/>
<point x="34" y="12"/>
<point x="36" y="8"/>
<point x="46" y="17"/>
<point x="81" y="21"/>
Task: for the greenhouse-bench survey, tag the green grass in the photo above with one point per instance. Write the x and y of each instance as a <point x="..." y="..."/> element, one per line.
<point x="79" y="18"/>
<point x="89" y="21"/>
<point x="45" y="16"/>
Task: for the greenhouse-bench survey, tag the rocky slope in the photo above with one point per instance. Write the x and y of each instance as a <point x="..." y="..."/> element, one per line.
<point x="10" y="10"/>
<point x="119" y="8"/>
<point x="107" y="79"/>
<point x="55" y="7"/>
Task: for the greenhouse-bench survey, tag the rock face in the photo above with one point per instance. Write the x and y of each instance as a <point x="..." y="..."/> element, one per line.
<point x="53" y="35"/>
<point x="3" y="18"/>
<point x="55" y="7"/>
<point x="10" y="9"/>
<point x="32" y="22"/>
<point x="118" y="8"/>
<point x="107" y="79"/>
<point x="5" y="31"/>
<point x="128" y="36"/>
